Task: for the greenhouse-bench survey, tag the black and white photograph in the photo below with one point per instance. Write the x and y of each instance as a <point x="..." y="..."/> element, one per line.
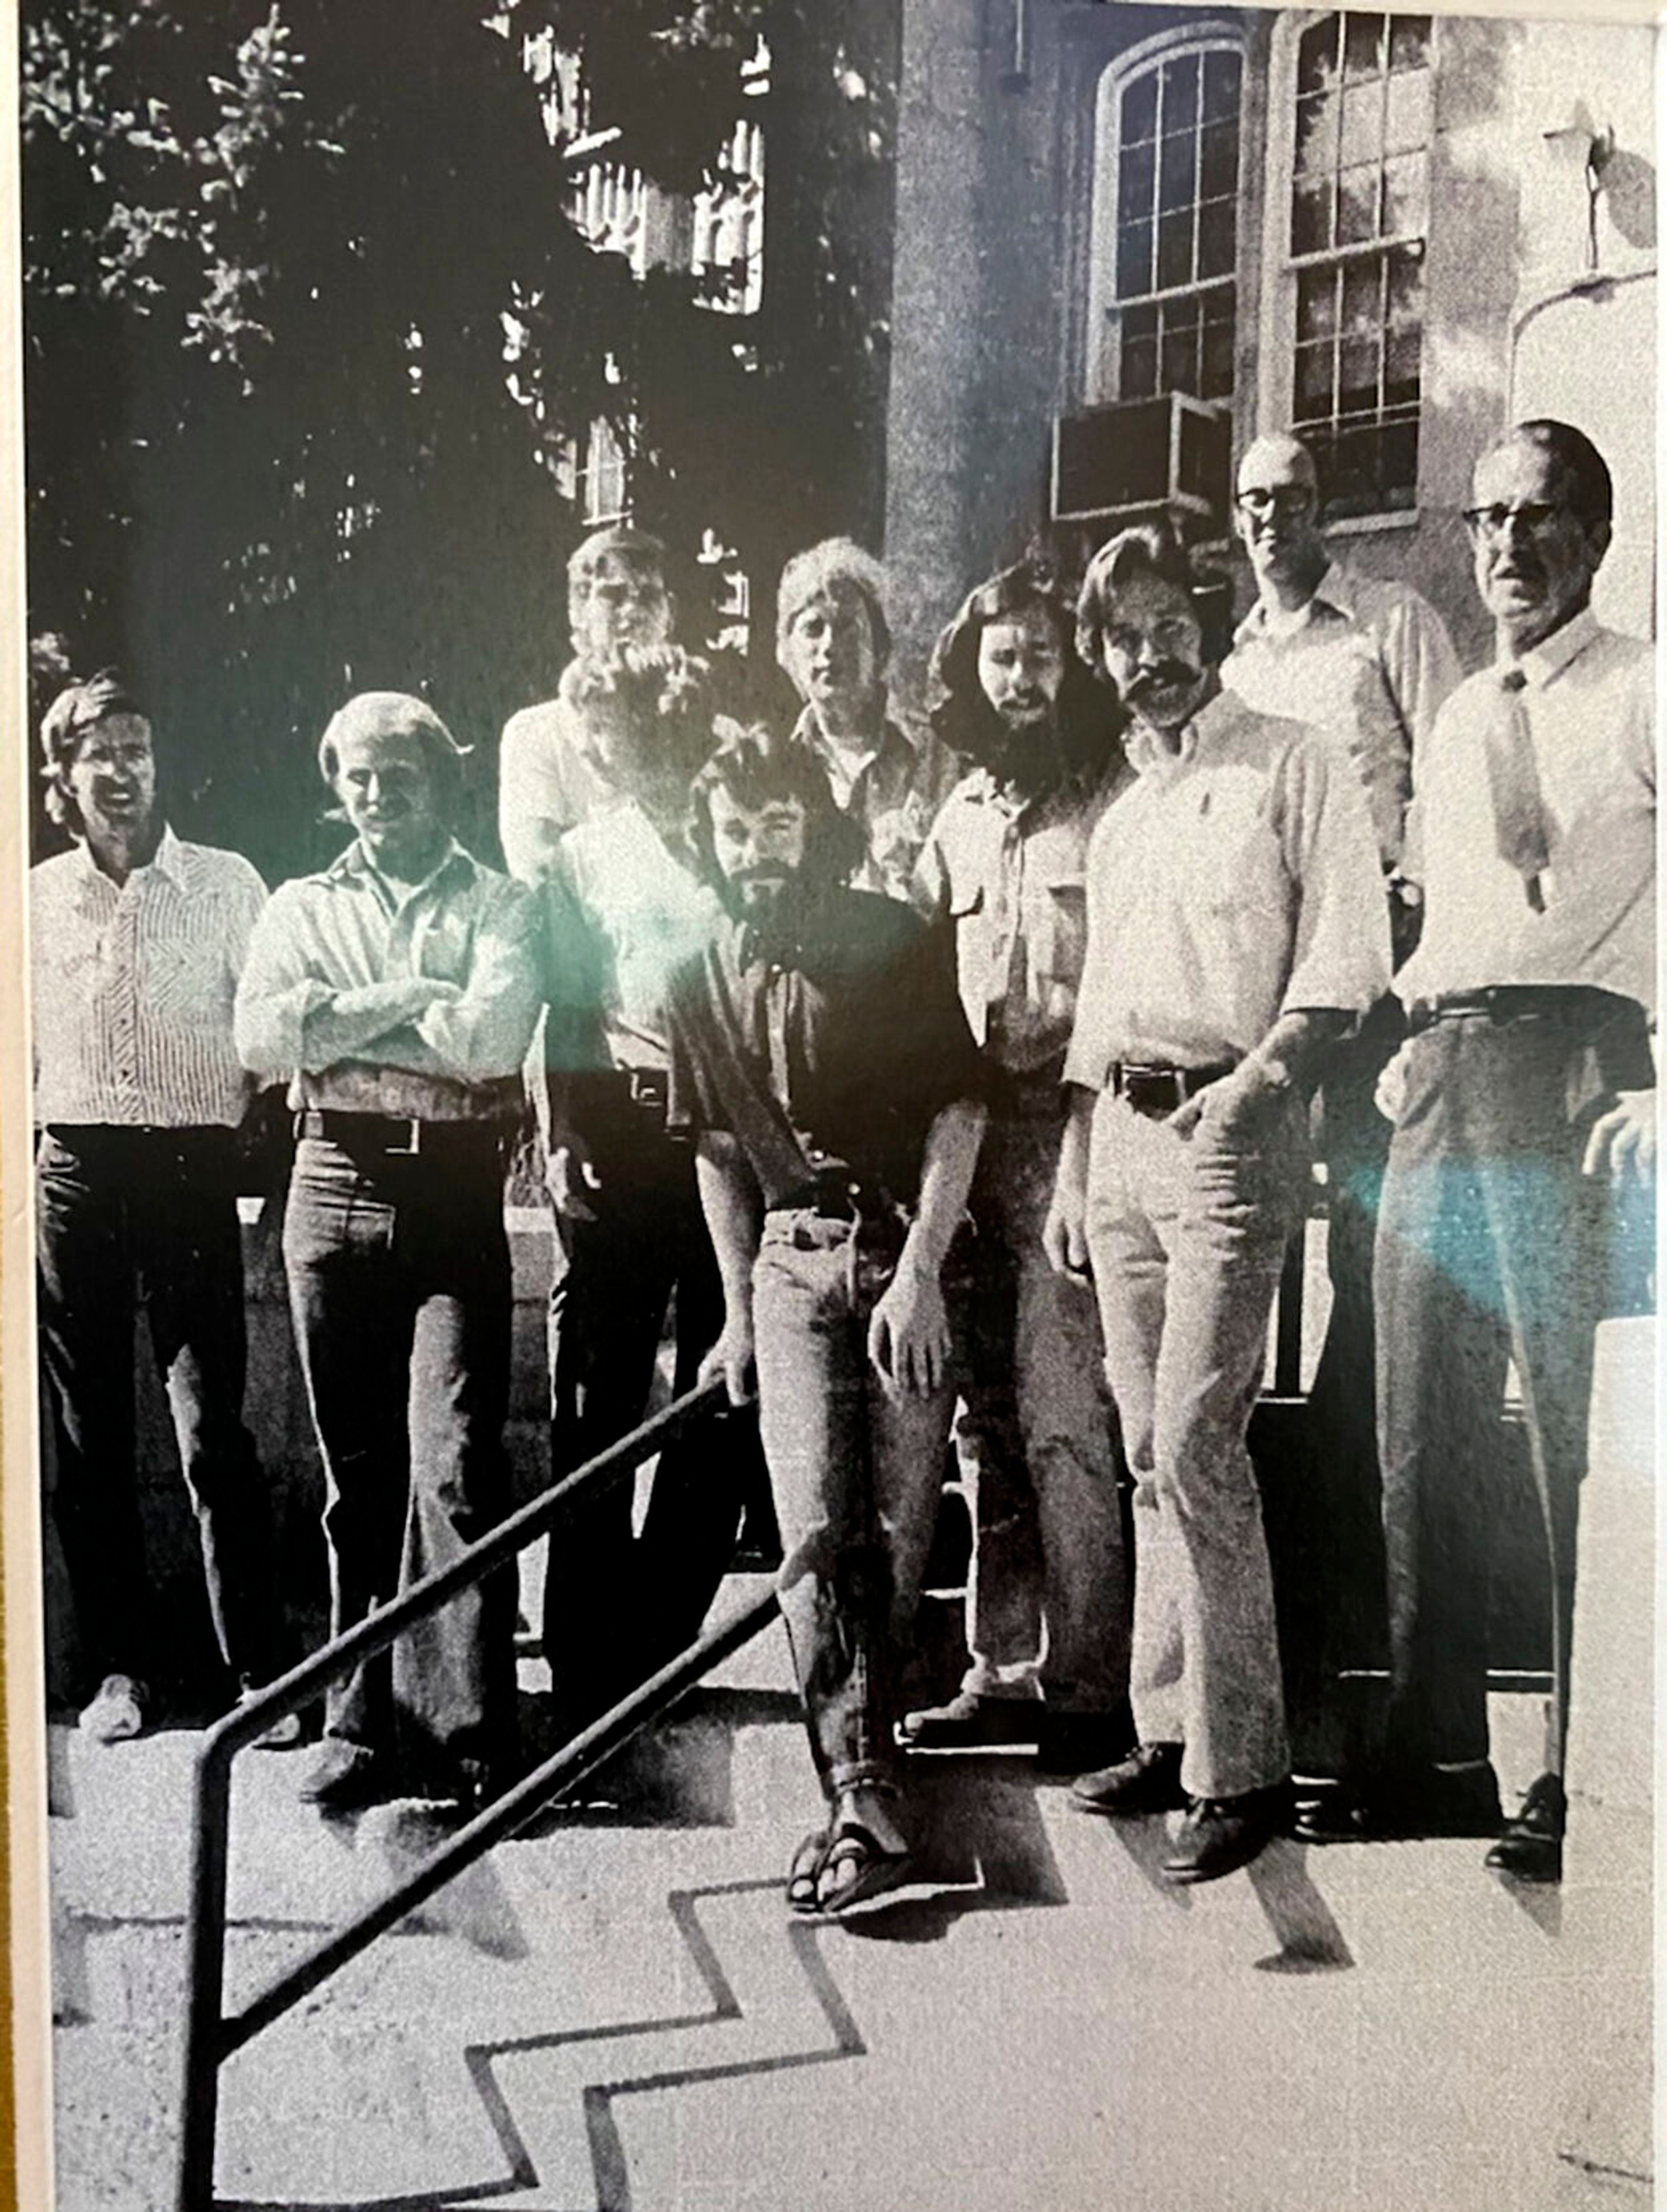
<point x="832" y="1188"/>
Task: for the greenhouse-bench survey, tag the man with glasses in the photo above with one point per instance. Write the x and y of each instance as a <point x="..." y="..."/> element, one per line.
<point x="1367" y="662"/>
<point x="1524" y="1097"/>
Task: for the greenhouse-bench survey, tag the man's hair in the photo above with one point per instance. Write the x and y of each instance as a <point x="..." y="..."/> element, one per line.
<point x="618" y="542"/>
<point x="386" y="714"/>
<point x="1147" y="551"/>
<point x="1590" y="487"/>
<point x="956" y="706"/>
<point x="757" y="771"/>
<point x="837" y="568"/>
<point x="77" y="709"/>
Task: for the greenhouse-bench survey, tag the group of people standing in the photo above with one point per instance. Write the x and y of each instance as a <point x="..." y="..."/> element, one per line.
<point x="948" y="1087"/>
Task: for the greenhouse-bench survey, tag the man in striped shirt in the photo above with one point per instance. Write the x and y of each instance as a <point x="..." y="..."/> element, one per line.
<point x="138" y="942"/>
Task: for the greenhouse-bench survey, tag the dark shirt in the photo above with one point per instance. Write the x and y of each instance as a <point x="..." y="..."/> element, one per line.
<point x="839" y="1040"/>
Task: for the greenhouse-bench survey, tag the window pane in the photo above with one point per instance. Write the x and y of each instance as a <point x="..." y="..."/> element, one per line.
<point x="1180" y="361"/>
<point x="1363" y="124"/>
<point x="1316" y="132"/>
<point x="1216" y="380"/>
<point x="1410" y="41"/>
<point x="1409" y="112"/>
<point x="1313" y="391"/>
<point x="1397" y="465"/>
<point x="1217" y="168"/>
<point x="1403" y="358"/>
<point x="1317" y="304"/>
<point x="1363" y="46"/>
<point x="1406" y="204"/>
<point x="1216" y="228"/>
<point x="1353" y="475"/>
<point x="1358" y="360"/>
<point x="1357" y="206"/>
<point x="1138" y="376"/>
<point x="1139" y="322"/>
<point x="1177" y="175"/>
<point x="1363" y="297"/>
<point x="1175" y="250"/>
<point x="1180" y="109"/>
<point x="1221" y="75"/>
<point x="1311" y="218"/>
<point x="1135" y="174"/>
<point x="1316" y="55"/>
<point x="1140" y="110"/>
<point x="1133" y="258"/>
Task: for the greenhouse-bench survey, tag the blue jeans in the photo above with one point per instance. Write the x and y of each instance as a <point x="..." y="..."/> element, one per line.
<point x="125" y="1217"/>
<point x="856" y="1469"/>
<point x="399" y="1287"/>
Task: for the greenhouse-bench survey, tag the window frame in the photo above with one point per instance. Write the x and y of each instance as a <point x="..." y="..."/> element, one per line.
<point x="1101" y="367"/>
<point x="1282" y="266"/>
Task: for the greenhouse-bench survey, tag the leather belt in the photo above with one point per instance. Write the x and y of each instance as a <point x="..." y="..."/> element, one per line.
<point x="400" y="1139"/>
<point x="1576" y="1004"/>
<point x="1154" y="1091"/>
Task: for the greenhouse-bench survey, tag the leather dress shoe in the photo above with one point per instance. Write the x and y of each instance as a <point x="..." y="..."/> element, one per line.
<point x="346" y="1777"/>
<point x="1221" y="1834"/>
<point x="1530" y="1847"/>
<point x="1148" y="1781"/>
<point x="974" y="1721"/>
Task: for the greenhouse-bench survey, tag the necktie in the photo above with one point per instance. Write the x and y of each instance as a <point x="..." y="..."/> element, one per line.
<point x="1514" y="780"/>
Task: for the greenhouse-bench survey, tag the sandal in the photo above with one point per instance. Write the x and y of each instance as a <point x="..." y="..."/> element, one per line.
<point x="855" y="1868"/>
<point x="805" y="1872"/>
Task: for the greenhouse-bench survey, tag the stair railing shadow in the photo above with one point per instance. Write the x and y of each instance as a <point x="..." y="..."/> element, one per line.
<point x="212" y="2036"/>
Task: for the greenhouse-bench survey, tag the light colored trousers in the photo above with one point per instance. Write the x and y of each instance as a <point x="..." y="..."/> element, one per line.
<point x="1186" y="1236"/>
<point x="1036" y="1440"/>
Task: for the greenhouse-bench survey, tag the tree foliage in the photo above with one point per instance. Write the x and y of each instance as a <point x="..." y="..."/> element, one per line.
<point x="307" y="327"/>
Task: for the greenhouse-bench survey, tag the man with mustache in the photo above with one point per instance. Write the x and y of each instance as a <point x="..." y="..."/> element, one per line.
<point x="885" y="771"/>
<point x="398" y="990"/>
<point x="1236" y="930"/>
<point x="1525" y="1091"/>
<point x="822" y="1063"/>
<point x="138" y="940"/>
<point x="1366" y="662"/>
<point x="1003" y="864"/>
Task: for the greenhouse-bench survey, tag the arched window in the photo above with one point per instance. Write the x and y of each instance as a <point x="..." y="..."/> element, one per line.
<point x="1163" y="295"/>
<point x="1361" y="120"/>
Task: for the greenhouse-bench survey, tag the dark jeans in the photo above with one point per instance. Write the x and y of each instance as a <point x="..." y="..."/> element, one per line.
<point x="399" y="1286"/>
<point x="1492" y="1247"/>
<point x="617" y="1606"/>
<point x="127" y="1218"/>
<point x="857" y="1469"/>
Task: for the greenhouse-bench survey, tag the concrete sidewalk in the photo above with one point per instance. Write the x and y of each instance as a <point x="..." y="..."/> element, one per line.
<point x="615" y="2014"/>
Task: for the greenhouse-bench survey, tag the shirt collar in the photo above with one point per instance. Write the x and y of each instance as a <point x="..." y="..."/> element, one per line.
<point x="1335" y="591"/>
<point x="807" y="730"/>
<point x="1147" y="754"/>
<point x="454" y="861"/>
<point x="1547" y="659"/>
<point x="169" y="857"/>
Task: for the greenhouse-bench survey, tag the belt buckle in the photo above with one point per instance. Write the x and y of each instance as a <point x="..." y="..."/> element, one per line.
<point x="412" y="1148"/>
<point x="648" y="1087"/>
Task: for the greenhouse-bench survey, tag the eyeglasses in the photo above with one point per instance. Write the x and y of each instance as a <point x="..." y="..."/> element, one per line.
<point x="1534" y="518"/>
<point x="1269" y="499"/>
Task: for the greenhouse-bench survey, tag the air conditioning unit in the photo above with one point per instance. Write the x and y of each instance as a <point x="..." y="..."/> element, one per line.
<point x="1171" y="455"/>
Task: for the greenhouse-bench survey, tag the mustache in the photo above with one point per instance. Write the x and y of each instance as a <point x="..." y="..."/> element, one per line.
<point x="1163" y="678"/>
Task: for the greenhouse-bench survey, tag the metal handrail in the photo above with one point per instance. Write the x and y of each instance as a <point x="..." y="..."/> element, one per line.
<point x="211" y="2037"/>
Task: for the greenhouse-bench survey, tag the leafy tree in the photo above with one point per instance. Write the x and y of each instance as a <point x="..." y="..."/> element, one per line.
<point x="306" y="328"/>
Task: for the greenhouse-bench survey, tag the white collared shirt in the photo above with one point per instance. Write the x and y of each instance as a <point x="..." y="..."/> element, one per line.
<point x="641" y="910"/>
<point x="1009" y="874"/>
<point x="1367" y="662"/>
<point x="134" y="985"/>
<point x="1238" y="880"/>
<point x="343" y="929"/>
<point x="1589" y="698"/>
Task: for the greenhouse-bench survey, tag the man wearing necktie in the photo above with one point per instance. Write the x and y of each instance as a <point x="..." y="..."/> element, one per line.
<point x="1524" y="1091"/>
